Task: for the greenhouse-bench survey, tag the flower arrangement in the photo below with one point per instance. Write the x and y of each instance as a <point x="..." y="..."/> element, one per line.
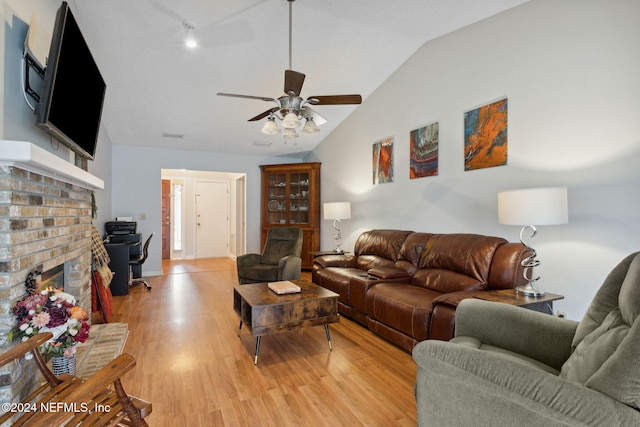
<point x="55" y="311"/>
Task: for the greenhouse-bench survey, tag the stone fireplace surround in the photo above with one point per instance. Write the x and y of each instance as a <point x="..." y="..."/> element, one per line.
<point x="45" y="221"/>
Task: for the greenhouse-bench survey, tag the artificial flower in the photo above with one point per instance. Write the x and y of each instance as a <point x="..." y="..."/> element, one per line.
<point x="52" y="311"/>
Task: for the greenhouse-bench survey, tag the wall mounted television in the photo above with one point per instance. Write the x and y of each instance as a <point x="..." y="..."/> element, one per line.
<point x="73" y="89"/>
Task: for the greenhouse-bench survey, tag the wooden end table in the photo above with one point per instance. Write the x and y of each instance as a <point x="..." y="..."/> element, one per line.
<point x="542" y="304"/>
<point x="265" y="312"/>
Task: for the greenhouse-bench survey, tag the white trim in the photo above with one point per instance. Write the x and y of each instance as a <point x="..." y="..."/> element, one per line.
<point x="30" y="157"/>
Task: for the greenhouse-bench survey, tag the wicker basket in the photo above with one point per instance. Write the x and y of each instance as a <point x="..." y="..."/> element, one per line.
<point x="63" y="365"/>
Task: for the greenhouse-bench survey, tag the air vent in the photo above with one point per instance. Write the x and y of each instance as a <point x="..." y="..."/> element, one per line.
<point x="172" y="135"/>
<point x="261" y="144"/>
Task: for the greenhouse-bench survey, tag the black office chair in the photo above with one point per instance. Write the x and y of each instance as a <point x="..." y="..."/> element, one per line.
<point x="139" y="260"/>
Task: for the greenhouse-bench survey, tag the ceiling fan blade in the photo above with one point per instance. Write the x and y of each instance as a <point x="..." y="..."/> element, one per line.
<point x="293" y="81"/>
<point x="263" y="115"/>
<point x="335" y="99"/>
<point x="235" y="95"/>
<point x="317" y="118"/>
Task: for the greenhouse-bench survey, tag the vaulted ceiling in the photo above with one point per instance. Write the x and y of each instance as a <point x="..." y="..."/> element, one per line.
<point x="162" y="94"/>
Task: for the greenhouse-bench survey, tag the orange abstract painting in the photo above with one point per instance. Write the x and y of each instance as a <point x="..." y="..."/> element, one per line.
<point x="383" y="161"/>
<point x="485" y="136"/>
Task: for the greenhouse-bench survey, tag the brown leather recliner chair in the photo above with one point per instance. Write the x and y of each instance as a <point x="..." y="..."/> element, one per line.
<point x="280" y="259"/>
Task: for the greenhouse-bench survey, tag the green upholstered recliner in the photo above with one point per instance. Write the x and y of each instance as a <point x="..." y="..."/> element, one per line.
<point x="511" y="366"/>
<point x="280" y="259"/>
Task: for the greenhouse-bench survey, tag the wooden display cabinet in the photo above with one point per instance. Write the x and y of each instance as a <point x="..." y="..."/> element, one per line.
<point x="291" y="197"/>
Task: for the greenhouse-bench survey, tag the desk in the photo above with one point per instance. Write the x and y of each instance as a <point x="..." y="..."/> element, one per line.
<point x="120" y="253"/>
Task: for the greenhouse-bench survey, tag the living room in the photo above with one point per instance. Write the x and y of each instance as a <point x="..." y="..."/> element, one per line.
<point x="569" y="70"/>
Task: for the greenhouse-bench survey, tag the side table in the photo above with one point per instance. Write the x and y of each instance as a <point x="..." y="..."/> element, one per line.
<point x="543" y="304"/>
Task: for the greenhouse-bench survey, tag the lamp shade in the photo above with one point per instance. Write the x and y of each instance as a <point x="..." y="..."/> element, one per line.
<point x="270" y="127"/>
<point x="290" y="121"/>
<point x="290" y="133"/>
<point x="535" y="206"/>
<point x="310" y="127"/>
<point x="337" y="210"/>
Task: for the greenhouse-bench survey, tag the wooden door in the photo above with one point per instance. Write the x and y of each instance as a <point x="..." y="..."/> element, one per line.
<point x="166" y="219"/>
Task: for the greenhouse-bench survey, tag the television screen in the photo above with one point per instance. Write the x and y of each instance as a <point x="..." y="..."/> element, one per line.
<point x="73" y="90"/>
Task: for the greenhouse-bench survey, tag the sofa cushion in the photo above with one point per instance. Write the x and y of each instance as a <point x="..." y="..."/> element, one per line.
<point x="383" y="243"/>
<point x="445" y="281"/>
<point x="337" y="279"/>
<point x="606" y="359"/>
<point x="402" y="306"/>
<point x="367" y="262"/>
<point x="467" y="254"/>
<point x="411" y="249"/>
<point x="262" y="273"/>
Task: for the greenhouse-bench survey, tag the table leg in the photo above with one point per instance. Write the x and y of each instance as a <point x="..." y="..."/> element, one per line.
<point x="326" y="329"/>
<point x="240" y="328"/>
<point x="255" y="360"/>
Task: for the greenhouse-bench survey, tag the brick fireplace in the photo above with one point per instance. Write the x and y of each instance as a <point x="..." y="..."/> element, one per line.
<point x="45" y="221"/>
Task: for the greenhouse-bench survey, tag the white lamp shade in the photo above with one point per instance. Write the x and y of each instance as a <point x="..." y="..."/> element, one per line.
<point x="309" y="127"/>
<point x="290" y="133"/>
<point x="533" y="206"/>
<point x="270" y="127"/>
<point x="337" y="210"/>
<point x="290" y="121"/>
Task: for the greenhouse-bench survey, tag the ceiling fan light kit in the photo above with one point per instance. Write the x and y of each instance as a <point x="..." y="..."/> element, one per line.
<point x="271" y="127"/>
<point x="291" y="107"/>
<point x="310" y="127"/>
<point x="290" y="133"/>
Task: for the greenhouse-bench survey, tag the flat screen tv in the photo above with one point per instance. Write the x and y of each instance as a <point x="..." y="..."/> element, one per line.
<point x="73" y="89"/>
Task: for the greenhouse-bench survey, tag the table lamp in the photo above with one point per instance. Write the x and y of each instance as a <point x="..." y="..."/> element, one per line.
<point x="337" y="211"/>
<point x="526" y="207"/>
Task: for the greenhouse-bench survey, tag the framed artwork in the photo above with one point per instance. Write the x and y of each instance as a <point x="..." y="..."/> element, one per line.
<point x="423" y="151"/>
<point x="383" y="161"/>
<point x="485" y="136"/>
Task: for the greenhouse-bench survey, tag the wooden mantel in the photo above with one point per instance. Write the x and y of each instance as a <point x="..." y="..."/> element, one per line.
<point x="30" y="157"/>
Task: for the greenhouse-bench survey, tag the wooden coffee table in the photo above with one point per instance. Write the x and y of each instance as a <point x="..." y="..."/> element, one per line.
<point x="265" y="312"/>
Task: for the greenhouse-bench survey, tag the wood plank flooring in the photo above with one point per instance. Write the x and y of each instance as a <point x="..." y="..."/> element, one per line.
<point x="196" y="371"/>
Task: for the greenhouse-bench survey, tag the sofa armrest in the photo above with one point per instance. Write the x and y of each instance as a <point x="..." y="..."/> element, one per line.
<point x="458" y="385"/>
<point x="444" y="314"/>
<point x="536" y="335"/>
<point x="386" y="273"/>
<point x="248" y="259"/>
<point x="344" y="261"/>
<point x="452" y="299"/>
<point x="289" y="268"/>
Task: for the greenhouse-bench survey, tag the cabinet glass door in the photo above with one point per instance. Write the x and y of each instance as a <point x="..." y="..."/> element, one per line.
<point x="277" y="198"/>
<point x="299" y="198"/>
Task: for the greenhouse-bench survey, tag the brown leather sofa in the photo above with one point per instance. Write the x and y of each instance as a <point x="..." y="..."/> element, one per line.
<point x="405" y="286"/>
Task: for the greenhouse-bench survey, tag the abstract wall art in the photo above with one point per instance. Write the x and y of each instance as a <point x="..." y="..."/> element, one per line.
<point x="383" y="161"/>
<point x="423" y="151"/>
<point x="485" y="136"/>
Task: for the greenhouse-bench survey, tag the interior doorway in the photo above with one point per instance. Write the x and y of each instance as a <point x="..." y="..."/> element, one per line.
<point x="166" y="219"/>
<point x="223" y="208"/>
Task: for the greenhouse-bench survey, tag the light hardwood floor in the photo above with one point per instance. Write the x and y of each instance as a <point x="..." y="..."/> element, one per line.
<point x="196" y="371"/>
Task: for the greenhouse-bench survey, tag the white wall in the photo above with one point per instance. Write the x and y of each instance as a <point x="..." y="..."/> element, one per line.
<point x="136" y="188"/>
<point x="570" y="70"/>
<point x="17" y="119"/>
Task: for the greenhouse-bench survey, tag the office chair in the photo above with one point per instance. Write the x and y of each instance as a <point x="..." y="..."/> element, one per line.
<point x="139" y="260"/>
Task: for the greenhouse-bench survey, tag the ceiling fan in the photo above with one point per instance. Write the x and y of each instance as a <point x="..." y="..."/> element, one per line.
<point x="291" y="107"/>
